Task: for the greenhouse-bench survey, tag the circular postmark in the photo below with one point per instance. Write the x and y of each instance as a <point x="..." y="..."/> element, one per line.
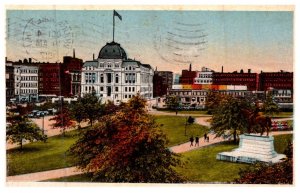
<point x="180" y="44"/>
<point x="44" y="38"/>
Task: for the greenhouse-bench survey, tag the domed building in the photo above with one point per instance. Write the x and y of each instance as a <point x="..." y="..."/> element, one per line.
<point x="113" y="76"/>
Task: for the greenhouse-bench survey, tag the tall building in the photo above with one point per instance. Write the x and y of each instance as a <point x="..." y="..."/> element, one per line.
<point x="204" y="76"/>
<point x="26" y="80"/>
<point x="251" y="80"/>
<point x="61" y="79"/>
<point x="9" y="80"/>
<point x="162" y="82"/>
<point x="276" y="80"/>
<point x="113" y="76"/>
<point x="188" y="76"/>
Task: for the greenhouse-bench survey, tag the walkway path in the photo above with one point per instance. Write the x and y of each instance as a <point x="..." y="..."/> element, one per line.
<point x="41" y="176"/>
<point x="212" y="140"/>
<point x="64" y="172"/>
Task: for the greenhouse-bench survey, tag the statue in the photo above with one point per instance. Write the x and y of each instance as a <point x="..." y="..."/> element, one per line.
<point x="255" y="119"/>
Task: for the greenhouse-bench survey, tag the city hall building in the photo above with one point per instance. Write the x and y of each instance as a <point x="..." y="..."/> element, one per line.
<point x="113" y="76"/>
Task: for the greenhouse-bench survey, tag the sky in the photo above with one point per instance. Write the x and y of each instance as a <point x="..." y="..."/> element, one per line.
<point x="168" y="40"/>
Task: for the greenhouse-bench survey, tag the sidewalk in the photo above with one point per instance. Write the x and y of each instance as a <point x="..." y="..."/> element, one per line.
<point x="212" y="140"/>
<point x="45" y="175"/>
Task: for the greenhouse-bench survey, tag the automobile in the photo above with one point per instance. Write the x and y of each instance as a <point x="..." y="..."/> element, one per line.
<point x="39" y="114"/>
<point x="30" y="115"/>
<point x="45" y="113"/>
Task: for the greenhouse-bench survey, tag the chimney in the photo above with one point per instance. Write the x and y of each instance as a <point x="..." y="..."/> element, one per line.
<point x="249" y="70"/>
<point x="73" y="53"/>
<point x="190" y="67"/>
<point x="93" y="56"/>
<point x="222" y="69"/>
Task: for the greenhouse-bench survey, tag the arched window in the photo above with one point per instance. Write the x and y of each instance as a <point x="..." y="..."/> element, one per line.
<point x="117" y="78"/>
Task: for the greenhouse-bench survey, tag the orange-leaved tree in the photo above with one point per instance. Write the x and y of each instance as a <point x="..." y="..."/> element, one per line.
<point x="126" y="146"/>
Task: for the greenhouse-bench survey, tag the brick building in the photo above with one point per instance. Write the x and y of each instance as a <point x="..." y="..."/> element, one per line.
<point x="188" y="76"/>
<point x="9" y="80"/>
<point x="162" y="82"/>
<point x="276" y="80"/>
<point x="251" y="80"/>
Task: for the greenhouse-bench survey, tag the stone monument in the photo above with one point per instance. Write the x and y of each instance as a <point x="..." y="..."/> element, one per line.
<point x="253" y="148"/>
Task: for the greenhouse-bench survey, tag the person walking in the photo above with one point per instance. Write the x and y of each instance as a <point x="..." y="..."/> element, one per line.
<point x="192" y="141"/>
<point x="205" y="136"/>
<point x="197" y="141"/>
<point x="207" y="139"/>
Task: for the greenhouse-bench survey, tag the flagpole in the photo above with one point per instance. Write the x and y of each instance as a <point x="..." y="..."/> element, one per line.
<point x="113" y="25"/>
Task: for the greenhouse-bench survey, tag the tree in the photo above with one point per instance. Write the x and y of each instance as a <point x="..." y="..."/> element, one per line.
<point x="126" y="146"/>
<point x="77" y="113"/>
<point x="190" y="120"/>
<point x="213" y="101"/>
<point x="229" y="119"/>
<point x="91" y="107"/>
<point x="269" y="106"/>
<point x="265" y="173"/>
<point x="21" y="129"/>
<point x="63" y="120"/>
<point x="172" y="101"/>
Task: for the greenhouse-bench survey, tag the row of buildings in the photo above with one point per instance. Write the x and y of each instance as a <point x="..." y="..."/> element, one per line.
<point x="28" y="81"/>
<point x="193" y="86"/>
<point x="113" y="76"/>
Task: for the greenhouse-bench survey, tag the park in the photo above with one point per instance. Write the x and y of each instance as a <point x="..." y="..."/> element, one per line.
<point x="52" y="160"/>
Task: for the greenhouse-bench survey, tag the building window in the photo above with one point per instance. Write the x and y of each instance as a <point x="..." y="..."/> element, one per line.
<point x="109" y="77"/>
<point x="101" y="78"/>
<point x="117" y="78"/>
<point x="125" y="89"/>
<point x="129" y="89"/>
<point x="125" y="96"/>
<point x="133" y="89"/>
<point x="101" y="88"/>
<point x="117" y="89"/>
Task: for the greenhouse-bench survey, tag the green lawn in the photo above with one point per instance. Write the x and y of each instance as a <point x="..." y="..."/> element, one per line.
<point x="283" y="115"/>
<point x="192" y="112"/>
<point x="203" y="167"/>
<point x="174" y="128"/>
<point x="40" y="156"/>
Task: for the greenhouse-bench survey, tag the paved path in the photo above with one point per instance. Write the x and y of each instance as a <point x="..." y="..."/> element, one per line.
<point x="212" y="140"/>
<point x="58" y="173"/>
<point x="46" y="175"/>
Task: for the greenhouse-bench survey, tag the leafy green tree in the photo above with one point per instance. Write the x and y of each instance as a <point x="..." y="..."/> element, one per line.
<point x="63" y="120"/>
<point x="190" y="120"/>
<point x="126" y="146"/>
<point x="172" y="101"/>
<point x="77" y="113"/>
<point x="264" y="173"/>
<point x="21" y="129"/>
<point x="213" y="101"/>
<point x="269" y="106"/>
<point x="229" y="119"/>
<point x="90" y="106"/>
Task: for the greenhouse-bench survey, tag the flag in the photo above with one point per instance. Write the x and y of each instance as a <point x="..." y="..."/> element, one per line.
<point x="118" y="15"/>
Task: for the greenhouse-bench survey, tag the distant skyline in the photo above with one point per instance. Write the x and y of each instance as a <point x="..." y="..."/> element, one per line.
<point x="168" y="40"/>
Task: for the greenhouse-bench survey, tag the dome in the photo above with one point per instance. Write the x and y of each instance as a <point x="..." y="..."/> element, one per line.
<point x="112" y="50"/>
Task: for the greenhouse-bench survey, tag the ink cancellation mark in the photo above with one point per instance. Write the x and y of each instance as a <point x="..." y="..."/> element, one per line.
<point x="44" y="38"/>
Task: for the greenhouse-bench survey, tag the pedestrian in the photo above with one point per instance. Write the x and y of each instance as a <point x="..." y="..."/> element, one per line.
<point x="192" y="141"/>
<point x="197" y="141"/>
<point x="207" y="139"/>
<point x="205" y="136"/>
<point x="176" y="112"/>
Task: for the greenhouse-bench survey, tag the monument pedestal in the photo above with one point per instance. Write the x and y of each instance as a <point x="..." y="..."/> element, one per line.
<point x="253" y="148"/>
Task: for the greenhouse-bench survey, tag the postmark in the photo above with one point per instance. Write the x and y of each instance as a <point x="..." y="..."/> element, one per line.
<point x="45" y="38"/>
<point x="181" y="44"/>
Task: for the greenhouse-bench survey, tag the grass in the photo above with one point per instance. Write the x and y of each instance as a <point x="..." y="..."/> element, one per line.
<point x="283" y="115"/>
<point x="201" y="165"/>
<point x="174" y="128"/>
<point x="192" y="112"/>
<point x="40" y="156"/>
